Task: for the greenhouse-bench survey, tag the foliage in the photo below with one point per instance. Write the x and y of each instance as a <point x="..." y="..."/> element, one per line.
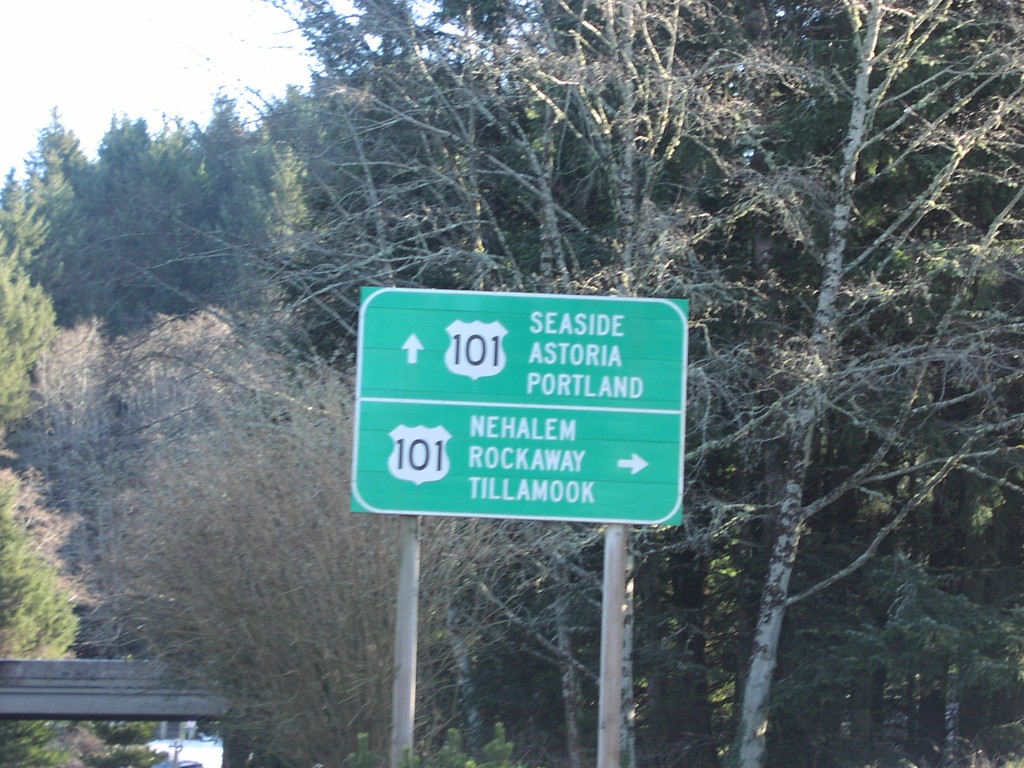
<point x="497" y="753"/>
<point x="26" y="327"/>
<point x="36" y="621"/>
<point x="363" y="757"/>
<point x="157" y="224"/>
<point x="124" y="746"/>
<point x="29" y="744"/>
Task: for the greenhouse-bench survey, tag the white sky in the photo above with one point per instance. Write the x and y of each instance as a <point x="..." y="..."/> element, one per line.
<point x="93" y="60"/>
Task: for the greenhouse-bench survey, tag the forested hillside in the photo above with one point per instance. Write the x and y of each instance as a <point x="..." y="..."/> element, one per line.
<point x="838" y="189"/>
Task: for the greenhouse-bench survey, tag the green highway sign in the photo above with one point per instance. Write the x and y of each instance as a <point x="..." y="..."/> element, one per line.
<point x="510" y="405"/>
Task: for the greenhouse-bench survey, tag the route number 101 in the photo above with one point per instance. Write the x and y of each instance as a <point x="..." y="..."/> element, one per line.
<point x="419" y="453"/>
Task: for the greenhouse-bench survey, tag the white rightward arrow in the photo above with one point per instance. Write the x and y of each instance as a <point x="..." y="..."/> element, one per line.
<point x="634" y="464"/>
<point x="413" y="346"/>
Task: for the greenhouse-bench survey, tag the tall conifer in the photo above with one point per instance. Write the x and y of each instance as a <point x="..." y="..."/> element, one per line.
<point x="26" y="325"/>
<point x="36" y="621"/>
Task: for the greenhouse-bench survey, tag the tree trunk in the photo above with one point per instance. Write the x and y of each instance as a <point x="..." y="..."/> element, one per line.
<point x="464" y="687"/>
<point x="764" y="654"/>
<point x="570" y="684"/>
<point x="753" y="724"/>
<point x="931" y="725"/>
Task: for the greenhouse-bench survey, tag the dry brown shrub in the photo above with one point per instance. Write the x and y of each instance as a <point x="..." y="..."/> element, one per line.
<point x="243" y="565"/>
<point x="101" y="406"/>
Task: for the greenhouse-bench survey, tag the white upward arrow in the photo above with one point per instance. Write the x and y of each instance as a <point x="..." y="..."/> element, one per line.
<point x="413" y="346"/>
<point x="634" y="464"/>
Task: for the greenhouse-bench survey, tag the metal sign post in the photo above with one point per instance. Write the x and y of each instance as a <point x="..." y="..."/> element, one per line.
<point x="403" y="710"/>
<point x="613" y="605"/>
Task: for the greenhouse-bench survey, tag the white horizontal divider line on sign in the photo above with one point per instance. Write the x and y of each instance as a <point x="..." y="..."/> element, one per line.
<point x="531" y="406"/>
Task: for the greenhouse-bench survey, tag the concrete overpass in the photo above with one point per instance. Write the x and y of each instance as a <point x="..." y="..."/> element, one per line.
<point x="97" y="690"/>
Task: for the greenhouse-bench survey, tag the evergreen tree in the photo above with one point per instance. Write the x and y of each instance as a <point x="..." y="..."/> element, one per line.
<point x="126" y="745"/>
<point x="162" y="223"/>
<point x="26" y="326"/>
<point x="49" y="196"/>
<point x="36" y="621"/>
<point x="21" y="224"/>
